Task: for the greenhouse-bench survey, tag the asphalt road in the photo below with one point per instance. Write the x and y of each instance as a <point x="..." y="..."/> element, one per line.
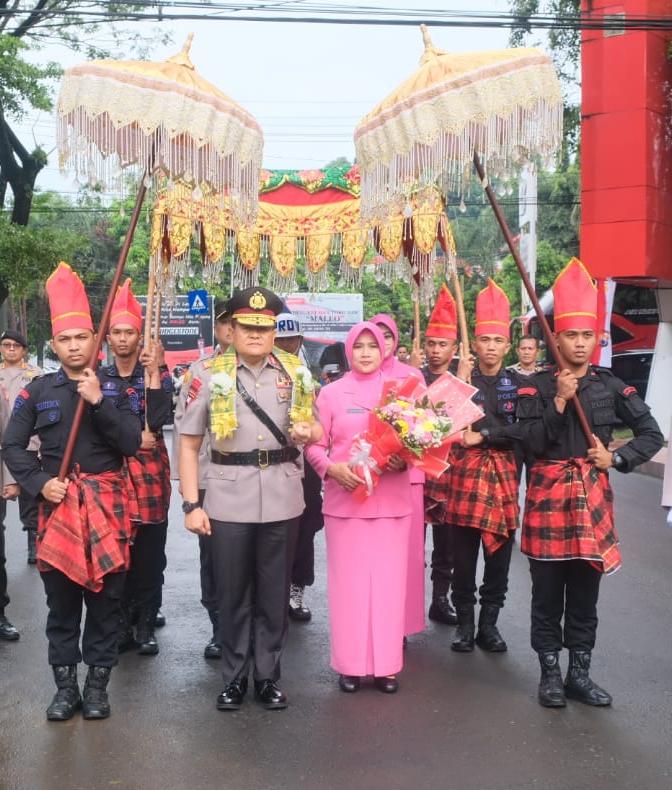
<point x="459" y="721"/>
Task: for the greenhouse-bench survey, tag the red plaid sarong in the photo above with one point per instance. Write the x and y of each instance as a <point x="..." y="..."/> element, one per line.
<point x="88" y="534"/>
<point x="148" y="479"/>
<point x="481" y="492"/>
<point x="569" y="514"/>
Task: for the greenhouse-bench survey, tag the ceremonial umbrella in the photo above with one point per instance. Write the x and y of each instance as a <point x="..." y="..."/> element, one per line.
<point x="490" y="110"/>
<point x="165" y="121"/>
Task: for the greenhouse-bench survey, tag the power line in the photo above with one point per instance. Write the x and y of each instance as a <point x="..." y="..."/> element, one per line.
<point x="316" y="13"/>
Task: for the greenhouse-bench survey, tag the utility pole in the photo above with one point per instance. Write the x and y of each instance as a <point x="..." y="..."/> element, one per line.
<point x="527" y="221"/>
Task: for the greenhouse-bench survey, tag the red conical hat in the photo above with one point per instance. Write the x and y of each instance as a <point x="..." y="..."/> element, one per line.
<point x="492" y="312"/>
<point x="574" y="298"/>
<point x="126" y="309"/>
<point x="443" y="321"/>
<point x="68" y="302"/>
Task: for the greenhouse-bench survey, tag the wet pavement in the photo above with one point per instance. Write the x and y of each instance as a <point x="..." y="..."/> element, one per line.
<point x="460" y="721"/>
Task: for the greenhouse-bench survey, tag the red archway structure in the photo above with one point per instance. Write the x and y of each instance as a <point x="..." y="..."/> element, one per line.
<point x="626" y="164"/>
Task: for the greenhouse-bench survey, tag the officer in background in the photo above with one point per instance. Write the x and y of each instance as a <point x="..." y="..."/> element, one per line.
<point x="253" y="495"/>
<point x="15" y="375"/>
<point x="213" y="650"/>
<point x="289" y="338"/>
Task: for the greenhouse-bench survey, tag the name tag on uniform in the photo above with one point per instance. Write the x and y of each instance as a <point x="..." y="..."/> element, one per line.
<point x="355" y="410"/>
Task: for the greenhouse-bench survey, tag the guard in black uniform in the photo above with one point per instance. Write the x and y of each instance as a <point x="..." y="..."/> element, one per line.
<point x="84" y="525"/>
<point x="148" y="471"/>
<point x="482" y="492"/>
<point x="568" y="528"/>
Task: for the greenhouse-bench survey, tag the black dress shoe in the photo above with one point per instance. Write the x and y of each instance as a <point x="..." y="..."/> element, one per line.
<point x="233" y="695"/>
<point x="388" y="685"/>
<point x="579" y="685"/>
<point x="349" y="683"/>
<point x="270" y="696"/>
<point x="67" y="699"/>
<point x="7" y="630"/>
<point x="212" y="650"/>
<point x="160" y="619"/>
<point x="298" y="610"/>
<point x="441" y="611"/>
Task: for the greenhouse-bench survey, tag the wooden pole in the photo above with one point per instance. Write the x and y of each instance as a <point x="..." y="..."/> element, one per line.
<point x="149" y="326"/>
<point x="102" y="329"/>
<point x="461" y="315"/>
<point x="416" y="322"/>
<point x="550" y="341"/>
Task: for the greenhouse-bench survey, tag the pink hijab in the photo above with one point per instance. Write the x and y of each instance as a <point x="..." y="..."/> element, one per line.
<point x="392" y="367"/>
<point x="372" y="381"/>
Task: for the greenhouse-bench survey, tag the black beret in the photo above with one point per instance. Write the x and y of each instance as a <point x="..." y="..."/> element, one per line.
<point x="222" y="310"/>
<point x="17" y="337"/>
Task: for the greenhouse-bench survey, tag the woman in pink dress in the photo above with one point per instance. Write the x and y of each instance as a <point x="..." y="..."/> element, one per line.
<point x="415" y="590"/>
<point x="367" y="542"/>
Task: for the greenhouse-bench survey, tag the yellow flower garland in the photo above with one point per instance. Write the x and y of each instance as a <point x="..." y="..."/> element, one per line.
<point x="223" y="419"/>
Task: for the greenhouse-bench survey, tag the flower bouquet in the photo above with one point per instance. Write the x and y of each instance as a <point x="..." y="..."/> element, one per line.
<point x="417" y="422"/>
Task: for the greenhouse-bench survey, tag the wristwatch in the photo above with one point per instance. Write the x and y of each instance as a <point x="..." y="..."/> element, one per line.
<point x="618" y="462"/>
<point x="187" y="507"/>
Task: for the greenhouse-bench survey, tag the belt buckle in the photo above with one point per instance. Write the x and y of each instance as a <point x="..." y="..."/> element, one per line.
<point x="264" y="459"/>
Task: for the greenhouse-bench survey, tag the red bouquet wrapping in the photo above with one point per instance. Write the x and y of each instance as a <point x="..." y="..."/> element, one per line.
<point x="416" y="422"/>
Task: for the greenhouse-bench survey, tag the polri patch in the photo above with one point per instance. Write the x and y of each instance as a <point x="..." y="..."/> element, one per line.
<point x="21" y="398"/>
<point x="133" y="400"/>
<point x="194" y="389"/>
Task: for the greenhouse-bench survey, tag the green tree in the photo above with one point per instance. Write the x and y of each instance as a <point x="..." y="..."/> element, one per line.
<point x="565" y="45"/>
<point x="26" y="26"/>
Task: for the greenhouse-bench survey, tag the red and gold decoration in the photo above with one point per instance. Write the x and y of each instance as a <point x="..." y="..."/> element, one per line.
<point x="305" y="217"/>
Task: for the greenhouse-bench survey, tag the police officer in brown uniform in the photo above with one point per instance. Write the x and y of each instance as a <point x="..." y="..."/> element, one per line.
<point x="213" y="650"/>
<point x="15" y="375"/>
<point x="253" y="495"/>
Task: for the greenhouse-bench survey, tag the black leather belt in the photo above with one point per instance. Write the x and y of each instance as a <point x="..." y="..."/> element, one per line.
<point x="260" y="458"/>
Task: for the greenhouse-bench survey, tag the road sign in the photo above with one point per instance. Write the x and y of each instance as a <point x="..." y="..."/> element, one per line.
<point x="198" y="302"/>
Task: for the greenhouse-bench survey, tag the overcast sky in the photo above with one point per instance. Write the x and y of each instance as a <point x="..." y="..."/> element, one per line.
<point x="307" y="85"/>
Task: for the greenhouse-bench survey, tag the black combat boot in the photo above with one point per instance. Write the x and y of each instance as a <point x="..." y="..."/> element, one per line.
<point x="144" y="633"/>
<point x="125" y="639"/>
<point x="441" y="611"/>
<point x="488" y="636"/>
<point x="464" y="635"/>
<point x="551" y="690"/>
<point x="32" y="546"/>
<point x="96" y="702"/>
<point x="67" y="699"/>
<point x="578" y="684"/>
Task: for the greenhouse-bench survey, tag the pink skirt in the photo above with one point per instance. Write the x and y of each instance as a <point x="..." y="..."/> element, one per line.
<point x="367" y="565"/>
<point x="415" y="582"/>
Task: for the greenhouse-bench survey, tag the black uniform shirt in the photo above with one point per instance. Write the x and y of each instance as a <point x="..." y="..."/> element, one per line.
<point x="606" y="400"/>
<point x="497" y="396"/>
<point x="159" y="401"/>
<point x="430" y="377"/>
<point x="47" y="407"/>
